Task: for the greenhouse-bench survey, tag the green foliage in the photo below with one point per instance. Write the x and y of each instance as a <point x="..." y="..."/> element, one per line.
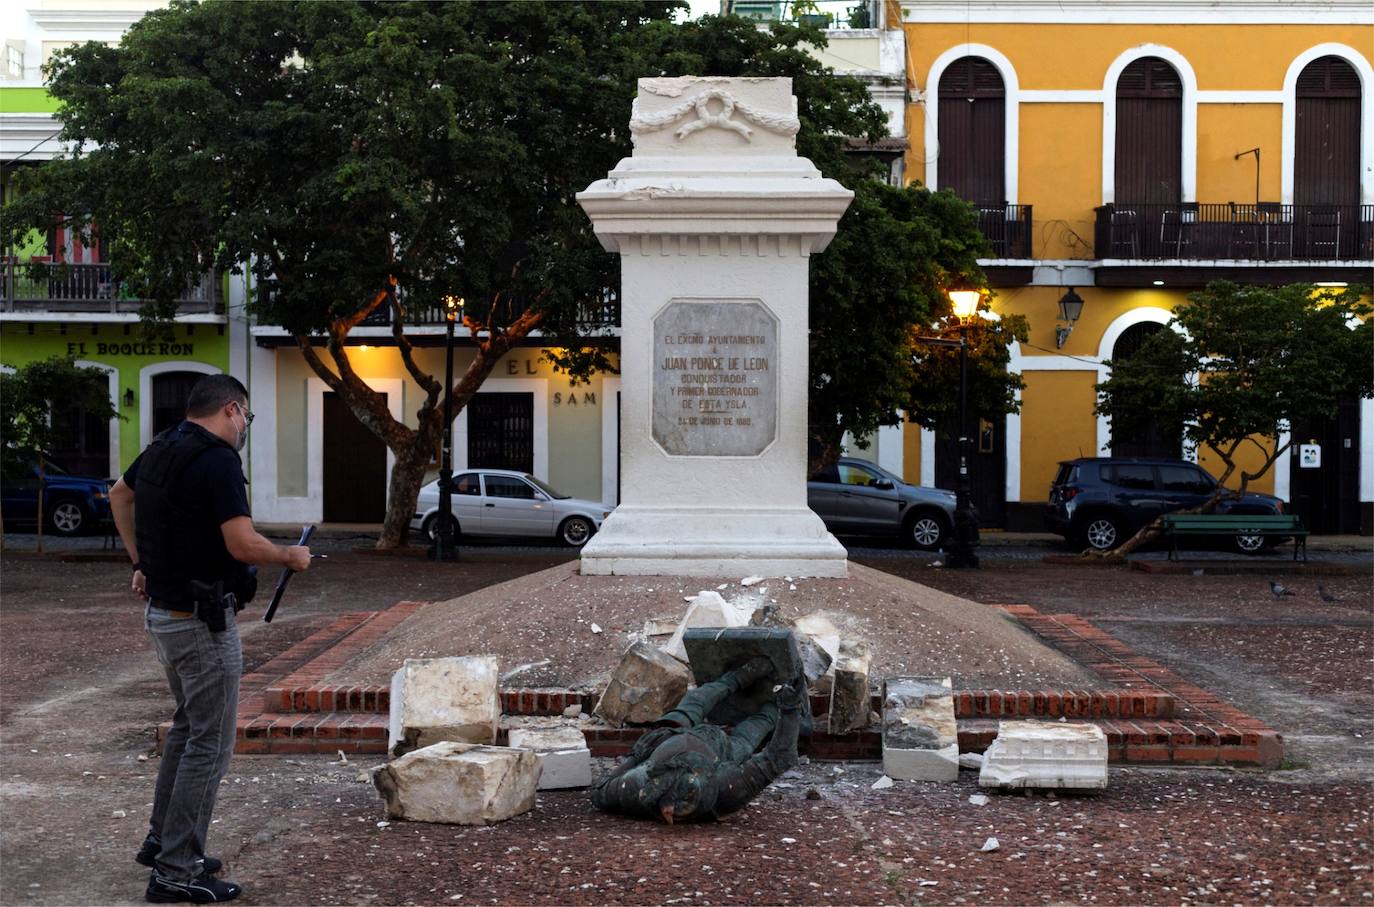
<point x="1265" y="356"/>
<point x="365" y="154"/>
<point x="875" y="292"/>
<point x="30" y="396"/>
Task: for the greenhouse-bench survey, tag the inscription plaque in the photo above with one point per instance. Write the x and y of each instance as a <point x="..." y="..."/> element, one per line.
<point x="715" y="378"/>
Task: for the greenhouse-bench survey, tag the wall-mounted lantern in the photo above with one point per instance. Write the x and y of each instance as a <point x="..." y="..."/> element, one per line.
<point x="1070" y="307"/>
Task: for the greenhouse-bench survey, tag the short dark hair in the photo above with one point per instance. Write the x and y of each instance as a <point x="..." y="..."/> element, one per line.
<point x="212" y="392"/>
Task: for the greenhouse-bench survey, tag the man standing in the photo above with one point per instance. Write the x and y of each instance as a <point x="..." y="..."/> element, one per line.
<point x="182" y="511"/>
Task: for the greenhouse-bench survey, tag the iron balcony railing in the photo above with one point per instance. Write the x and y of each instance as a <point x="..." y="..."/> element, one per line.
<point x="40" y="285"/>
<point x="1007" y="228"/>
<point x="594" y="315"/>
<point x="1255" y="232"/>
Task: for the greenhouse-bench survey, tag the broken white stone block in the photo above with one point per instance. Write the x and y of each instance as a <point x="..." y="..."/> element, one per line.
<point x="920" y="734"/>
<point x="563" y="755"/>
<point x="658" y="630"/>
<point x="646" y="683"/>
<point x="822" y="632"/>
<point x="435" y="699"/>
<point x="850" y="698"/>
<point x="1045" y="754"/>
<point x="883" y="783"/>
<point x="971" y="760"/>
<point x="459" y="784"/>
<point x="708" y="609"/>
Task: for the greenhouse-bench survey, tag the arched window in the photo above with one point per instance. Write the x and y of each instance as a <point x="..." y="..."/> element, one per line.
<point x="1143" y="436"/>
<point x="1149" y="134"/>
<point x="973" y="132"/>
<point x="1326" y="164"/>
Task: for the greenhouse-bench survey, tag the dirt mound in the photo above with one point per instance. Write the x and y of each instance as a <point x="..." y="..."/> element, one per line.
<point x="568" y="630"/>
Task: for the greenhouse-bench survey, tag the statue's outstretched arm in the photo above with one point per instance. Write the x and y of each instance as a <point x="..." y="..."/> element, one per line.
<point x="738" y="784"/>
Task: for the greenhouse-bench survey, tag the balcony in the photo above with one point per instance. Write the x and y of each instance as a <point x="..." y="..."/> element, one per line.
<point x="1191" y="244"/>
<point x="593" y="316"/>
<point x="39" y="286"/>
<point x="1007" y="228"/>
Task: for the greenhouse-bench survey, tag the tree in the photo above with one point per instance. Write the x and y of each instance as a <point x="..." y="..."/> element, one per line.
<point x="375" y="159"/>
<point x="1240" y="366"/>
<point x="878" y="290"/>
<point x="28" y="399"/>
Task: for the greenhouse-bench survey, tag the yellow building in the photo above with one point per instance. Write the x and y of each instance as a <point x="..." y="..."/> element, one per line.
<point x="1130" y="153"/>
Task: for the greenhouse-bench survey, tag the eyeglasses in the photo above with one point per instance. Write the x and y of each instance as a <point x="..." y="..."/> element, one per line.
<point x="246" y="414"/>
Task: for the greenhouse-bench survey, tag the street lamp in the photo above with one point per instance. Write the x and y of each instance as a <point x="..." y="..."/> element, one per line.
<point x="444" y="548"/>
<point x="965" y="304"/>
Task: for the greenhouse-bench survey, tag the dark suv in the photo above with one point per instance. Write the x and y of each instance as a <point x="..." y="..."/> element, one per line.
<point x="1100" y="502"/>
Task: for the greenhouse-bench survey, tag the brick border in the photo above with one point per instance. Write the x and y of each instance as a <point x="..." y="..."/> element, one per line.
<point x="1205" y="729"/>
<point x="1150" y="714"/>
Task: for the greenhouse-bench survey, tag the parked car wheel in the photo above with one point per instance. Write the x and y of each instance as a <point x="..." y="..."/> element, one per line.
<point x="431" y="527"/>
<point x="1252" y="544"/>
<point x="66" y="518"/>
<point x="1101" y="532"/>
<point x="575" y="531"/>
<point x="925" y="530"/>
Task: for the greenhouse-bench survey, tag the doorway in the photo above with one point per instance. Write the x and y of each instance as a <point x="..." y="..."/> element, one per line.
<point x="1327" y="497"/>
<point x="171" y="390"/>
<point x="987" y="466"/>
<point x="354" y="468"/>
<point x="501" y="431"/>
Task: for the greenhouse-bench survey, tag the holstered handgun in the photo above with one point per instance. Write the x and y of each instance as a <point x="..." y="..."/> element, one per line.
<point x="209" y="600"/>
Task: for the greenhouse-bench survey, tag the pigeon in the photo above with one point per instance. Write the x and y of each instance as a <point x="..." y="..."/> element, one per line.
<point x="1278" y="590"/>
<point x="1324" y="595"/>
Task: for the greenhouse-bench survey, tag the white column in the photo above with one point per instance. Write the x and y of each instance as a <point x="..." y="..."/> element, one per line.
<point x="714" y="217"/>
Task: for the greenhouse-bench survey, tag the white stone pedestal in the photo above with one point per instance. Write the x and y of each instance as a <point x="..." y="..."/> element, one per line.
<point x="714" y="217"/>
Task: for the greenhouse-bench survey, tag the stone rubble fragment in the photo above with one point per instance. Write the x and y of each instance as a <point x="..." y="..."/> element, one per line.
<point x="459" y="784"/>
<point x="971" y="760"/>
<point x="646" y="683"/>
<point x="564" y="757"/>
<point x="572" y="711"/>
<point x="437" y="699"/>
<point x="883" y="783"/>
<point x="1050" y="755"/>
<point x="850" y="697"/>
<point x="920" y="735"/>
<point x="708" y="609"/>
<point x="978" y="799"/>
<point x="990" y="845"/>
<point x="658" y="630"/>
<point x="751" y="581"/>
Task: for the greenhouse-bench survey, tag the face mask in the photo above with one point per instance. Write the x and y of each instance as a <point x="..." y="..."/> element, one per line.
<point x="242" y="440"/>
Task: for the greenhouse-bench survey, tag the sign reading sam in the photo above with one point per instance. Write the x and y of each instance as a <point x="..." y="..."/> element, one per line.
<point x="715" y="370"/>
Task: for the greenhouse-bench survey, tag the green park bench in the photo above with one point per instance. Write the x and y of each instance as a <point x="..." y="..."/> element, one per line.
<point x="1247" y="528"/>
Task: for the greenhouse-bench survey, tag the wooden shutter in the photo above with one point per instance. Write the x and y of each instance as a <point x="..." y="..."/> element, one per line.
<point x="1326" y="165"/>
<point x="1149" y="134"/>
<point x="972" y="131"/>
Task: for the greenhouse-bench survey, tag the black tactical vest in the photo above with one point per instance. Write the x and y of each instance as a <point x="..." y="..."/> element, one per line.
<point x="178" y="541"/>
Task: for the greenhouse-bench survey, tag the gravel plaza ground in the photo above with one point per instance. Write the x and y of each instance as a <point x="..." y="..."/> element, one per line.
<point x="80" y="696"/>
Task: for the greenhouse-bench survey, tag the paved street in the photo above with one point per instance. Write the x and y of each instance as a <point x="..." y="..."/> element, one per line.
<point x="82" y="696"/>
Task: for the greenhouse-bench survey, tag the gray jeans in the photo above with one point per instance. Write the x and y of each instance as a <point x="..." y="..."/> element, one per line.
<point x="203" y="670"/>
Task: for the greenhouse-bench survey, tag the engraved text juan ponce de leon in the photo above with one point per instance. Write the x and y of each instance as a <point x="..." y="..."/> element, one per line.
<point x="715" y="383"/>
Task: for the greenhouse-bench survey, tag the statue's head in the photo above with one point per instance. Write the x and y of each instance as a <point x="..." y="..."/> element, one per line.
<point x="683" y="788"/>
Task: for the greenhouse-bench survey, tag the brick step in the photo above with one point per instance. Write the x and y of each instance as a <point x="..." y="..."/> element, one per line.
<point x="1128" y="743"/>
<point x="252" y="686"/>
<point x="1103" y="703"/>
<point x="304" y="689"/>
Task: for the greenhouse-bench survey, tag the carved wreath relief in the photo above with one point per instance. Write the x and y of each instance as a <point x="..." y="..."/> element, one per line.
<point x="786" y="125"/>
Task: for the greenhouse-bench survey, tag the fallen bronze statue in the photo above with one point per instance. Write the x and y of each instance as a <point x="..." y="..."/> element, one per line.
<point x="688" y="770"/>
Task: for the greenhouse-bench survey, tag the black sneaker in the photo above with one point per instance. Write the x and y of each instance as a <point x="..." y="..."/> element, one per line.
<point x="147" y="856"/>
<point x="204" y="889"/>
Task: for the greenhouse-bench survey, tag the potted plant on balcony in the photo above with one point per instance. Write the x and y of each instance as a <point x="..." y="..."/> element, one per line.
<point x="807" y="13"/>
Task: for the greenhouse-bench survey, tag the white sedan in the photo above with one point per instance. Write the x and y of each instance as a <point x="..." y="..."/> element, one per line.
<point x="502" y="502"/>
